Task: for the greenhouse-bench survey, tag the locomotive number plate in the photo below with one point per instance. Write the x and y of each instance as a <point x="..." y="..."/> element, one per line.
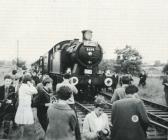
<point x="90" y="49"/>
<point x="87" y="71"/>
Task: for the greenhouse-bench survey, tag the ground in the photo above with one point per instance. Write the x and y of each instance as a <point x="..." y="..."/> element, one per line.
<point x="153" y="90"/>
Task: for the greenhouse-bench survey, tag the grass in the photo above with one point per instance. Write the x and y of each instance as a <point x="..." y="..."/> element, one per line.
<point x="153" y="90"/>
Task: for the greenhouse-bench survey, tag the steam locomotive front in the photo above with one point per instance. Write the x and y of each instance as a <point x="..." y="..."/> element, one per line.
<point x="89" y="54"/>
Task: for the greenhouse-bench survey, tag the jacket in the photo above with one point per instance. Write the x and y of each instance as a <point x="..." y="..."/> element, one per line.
<point x="7" y="110"/>
<point x="115" y="79"/>
<point x="129" y="120"/>
<point x="42" y="98"/>
<point x="62" y="122"/>
<point x="119" y="93"/>
<point x="72" y="87"/>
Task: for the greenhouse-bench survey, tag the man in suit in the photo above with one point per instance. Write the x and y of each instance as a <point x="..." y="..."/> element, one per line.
<point x="115" y="81"/>
<point x="129" y="118"/>
<point x="7" y="104"/>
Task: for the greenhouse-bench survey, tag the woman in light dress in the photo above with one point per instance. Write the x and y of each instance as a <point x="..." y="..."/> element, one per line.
<point x="24" y="114"/>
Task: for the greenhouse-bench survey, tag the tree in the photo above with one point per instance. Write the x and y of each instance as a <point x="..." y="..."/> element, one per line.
<point x="128" y="60"/>
<point x="165" y="68"/>
<point x="107" y="64"/>
<point x="2" y="62"/>
<point x="157" y="63"/>
<point x="19" y="62"/>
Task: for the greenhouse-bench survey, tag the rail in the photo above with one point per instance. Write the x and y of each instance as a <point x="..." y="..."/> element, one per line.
<point x="154" y="119"/>
<point x="156" y="131"/>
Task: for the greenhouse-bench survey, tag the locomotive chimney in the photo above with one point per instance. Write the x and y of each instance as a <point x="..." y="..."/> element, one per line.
<point x="87" y="35"/>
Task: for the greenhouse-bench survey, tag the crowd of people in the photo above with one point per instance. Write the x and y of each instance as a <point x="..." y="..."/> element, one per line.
<point x="58" y="118"/>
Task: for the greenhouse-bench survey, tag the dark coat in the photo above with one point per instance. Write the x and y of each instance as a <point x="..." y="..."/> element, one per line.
<point x="142" y="80"/>
<point x="36" y="80"/>
<point x="165" y="81"/>
<point x="62" y="123"/>
<point x="7" y="111"/>
<point x="129" y="120"/>
<point x="41" y="99"/>
<point x="115" y="79"/>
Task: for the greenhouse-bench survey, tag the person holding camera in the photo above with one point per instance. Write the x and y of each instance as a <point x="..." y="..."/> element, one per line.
<point x="24" y="114"/>
<point x="96" y="123"/>
<point x="62" y="118"/>
<point x="7" y="104"/>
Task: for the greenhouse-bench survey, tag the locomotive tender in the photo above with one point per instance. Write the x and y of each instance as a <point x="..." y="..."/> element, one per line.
<point x="81" y="59"/>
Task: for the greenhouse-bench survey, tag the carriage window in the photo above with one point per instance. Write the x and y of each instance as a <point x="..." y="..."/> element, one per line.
<point x="56" y="62"/>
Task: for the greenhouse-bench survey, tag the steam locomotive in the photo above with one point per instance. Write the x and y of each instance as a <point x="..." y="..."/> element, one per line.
<point x="79" y="58"/>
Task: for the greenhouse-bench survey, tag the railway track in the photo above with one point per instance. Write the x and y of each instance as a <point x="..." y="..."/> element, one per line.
<point x="156" y="131"/>
<point x="158" y="115"/>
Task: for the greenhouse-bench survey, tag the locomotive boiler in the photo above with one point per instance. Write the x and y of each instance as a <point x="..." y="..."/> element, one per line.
<point x="79" y="58"/>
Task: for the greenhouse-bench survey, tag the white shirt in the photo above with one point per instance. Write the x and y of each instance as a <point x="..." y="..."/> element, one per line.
<point x="72" y="87"/>
<point x="99" y="122"/>
<point x="95" y="123"/>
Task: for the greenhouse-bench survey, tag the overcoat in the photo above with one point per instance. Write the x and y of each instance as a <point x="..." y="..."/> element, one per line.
<point x="62" y="122"/>
<point x="115" y="81"/>
<point x="129" y="120"/>
<point x="119" y="93"/>
<point x="42" y="98"/>
<point x="24" y="113"/>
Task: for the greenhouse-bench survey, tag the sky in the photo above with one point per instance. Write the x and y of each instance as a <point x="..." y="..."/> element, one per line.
<point x="37" y="25"/>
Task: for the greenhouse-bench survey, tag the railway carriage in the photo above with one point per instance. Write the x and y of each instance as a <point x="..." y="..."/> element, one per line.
<point x="81" y="59"/>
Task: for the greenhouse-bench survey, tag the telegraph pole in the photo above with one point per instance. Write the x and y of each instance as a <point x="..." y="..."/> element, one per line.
<point x="17" y="59"/>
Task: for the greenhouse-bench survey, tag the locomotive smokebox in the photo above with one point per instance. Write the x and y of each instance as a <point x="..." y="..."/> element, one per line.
<point x="87" y="35"/>
<point x="89" y="53"/>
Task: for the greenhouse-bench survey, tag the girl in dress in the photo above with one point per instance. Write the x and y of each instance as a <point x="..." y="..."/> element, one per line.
<point x="24" y="114"/>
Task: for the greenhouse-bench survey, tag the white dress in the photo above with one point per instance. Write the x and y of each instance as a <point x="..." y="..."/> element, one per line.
<point x="24" y="114"/>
